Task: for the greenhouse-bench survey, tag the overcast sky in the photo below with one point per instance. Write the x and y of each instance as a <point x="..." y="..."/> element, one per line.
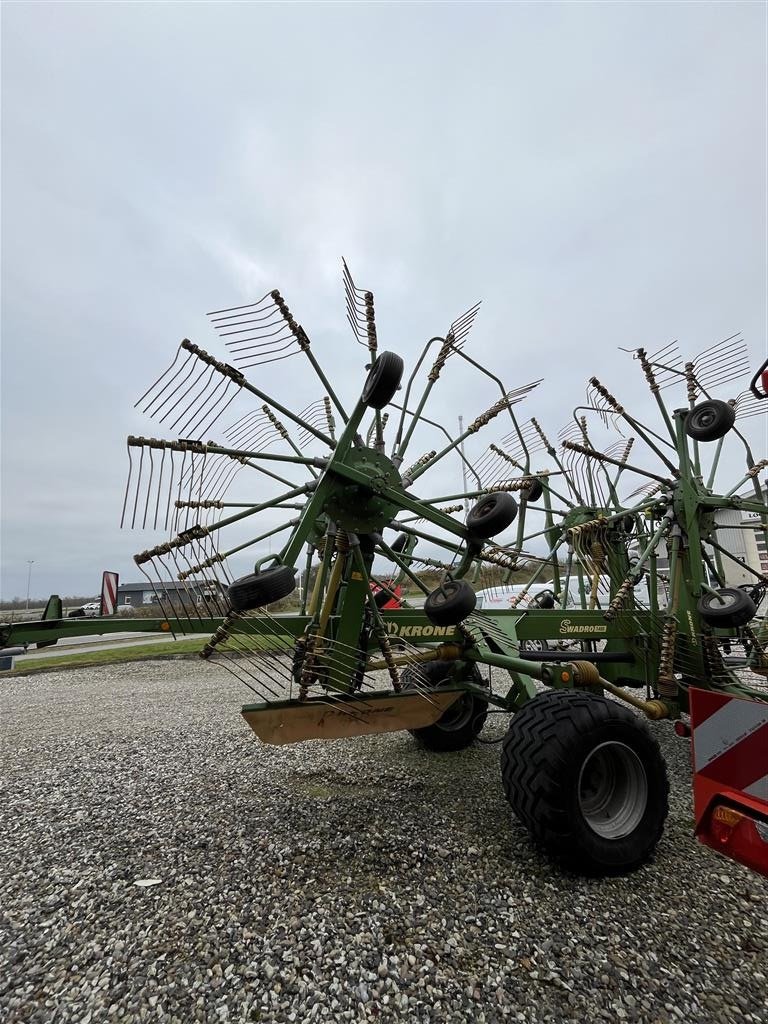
<point x="595" y="173"/>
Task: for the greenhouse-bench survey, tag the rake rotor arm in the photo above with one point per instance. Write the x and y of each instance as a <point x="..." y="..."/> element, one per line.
<point x="239" y="378"/>
<point x="484" y="370"/>
<point x="451" y="343"/>
<point x="475" y="425"/>
<point x="441" y="428"/>
<point x="401" y="443"/>
<point x="641" y="431"/>
<point x="220" y="557"/>
<point x="200" y="532"/>
<point x="573" y="446"/>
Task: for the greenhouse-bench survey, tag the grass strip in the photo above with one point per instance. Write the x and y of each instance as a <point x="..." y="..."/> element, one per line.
<point x="85" y="659"/>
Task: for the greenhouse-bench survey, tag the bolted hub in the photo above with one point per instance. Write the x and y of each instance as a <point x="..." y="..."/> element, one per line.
<point x="361" y="508"/>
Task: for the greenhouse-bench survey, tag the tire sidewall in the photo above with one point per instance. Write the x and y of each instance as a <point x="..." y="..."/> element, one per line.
<point x="613" y="854"/>
<point x="731" y="616"/>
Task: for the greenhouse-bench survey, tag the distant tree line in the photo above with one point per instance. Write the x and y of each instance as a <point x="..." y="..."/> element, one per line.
<point x="17" y="603"/>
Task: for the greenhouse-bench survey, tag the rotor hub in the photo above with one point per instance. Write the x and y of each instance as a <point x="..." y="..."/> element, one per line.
<point x="363" y="507"/>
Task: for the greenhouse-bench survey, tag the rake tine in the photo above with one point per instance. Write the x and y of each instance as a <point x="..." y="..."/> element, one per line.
<point x="160" y="378"/>
<point x="127" y="485"/>
<point x="154" y="408"/>
<point x="138" y="487"/>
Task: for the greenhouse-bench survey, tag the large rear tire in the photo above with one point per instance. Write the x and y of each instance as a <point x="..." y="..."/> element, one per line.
<point x="587" y="778"/>
<point x="462" y="723"/>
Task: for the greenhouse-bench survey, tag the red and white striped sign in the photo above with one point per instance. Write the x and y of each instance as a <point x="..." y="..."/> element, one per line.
<point x="109" y="593"/>
<point x="730" y="742"/>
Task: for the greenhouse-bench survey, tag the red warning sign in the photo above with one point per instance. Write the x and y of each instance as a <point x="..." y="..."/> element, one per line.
<point x="109" y="583"/>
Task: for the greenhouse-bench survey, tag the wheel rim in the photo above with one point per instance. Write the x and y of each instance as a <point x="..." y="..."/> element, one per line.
<point x="533" y="645"/>
<point x="457" y="715"/>
<point x="705" y="418"/>
<point x="723" y="601"/>
<point x="613" y="790"/>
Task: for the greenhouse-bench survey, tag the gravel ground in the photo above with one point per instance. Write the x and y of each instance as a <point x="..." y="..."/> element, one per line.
<point x="352" y="880"/>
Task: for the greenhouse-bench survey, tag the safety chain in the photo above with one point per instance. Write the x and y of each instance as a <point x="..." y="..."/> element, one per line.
<point x="305" y="679"/>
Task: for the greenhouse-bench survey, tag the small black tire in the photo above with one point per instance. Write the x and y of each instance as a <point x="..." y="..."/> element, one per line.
<point x="709" y="421"/>
<point x="450" y="603"/>
<point x="76" y="613"/>
<point x="383" y="380"/>
<point x="544" y="599"/>
<point x="460" y="725"/>
<point x="587" y="778"/>
<point x="492" y="514"/>
<point x="628" y="524"/>
<point x="368" y="542"/>
<point x="532" y="491"/>
<point x="534" y="645"/>
<point x="261" y="588"/>
<point x="399" y="543"/>
<point x="735" y="609"/>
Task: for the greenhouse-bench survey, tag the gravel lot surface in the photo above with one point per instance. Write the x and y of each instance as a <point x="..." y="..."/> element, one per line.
<point x="352" y="880"/>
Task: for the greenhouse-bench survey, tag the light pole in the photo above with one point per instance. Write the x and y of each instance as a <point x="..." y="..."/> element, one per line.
<point x="30" y="563"/>
<point x="463" y="464"/>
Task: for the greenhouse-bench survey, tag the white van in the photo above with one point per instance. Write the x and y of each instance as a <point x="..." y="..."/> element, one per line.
<point x="502" y="596"/>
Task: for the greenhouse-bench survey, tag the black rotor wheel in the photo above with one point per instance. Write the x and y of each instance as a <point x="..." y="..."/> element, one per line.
<point x="709" y="421"/>
<point x="492" y="514"/>
<point x="383" y="380"/>
<point x="261" y="588"/>
<point x="450" y="603"/>
<point x="730" y="607"/>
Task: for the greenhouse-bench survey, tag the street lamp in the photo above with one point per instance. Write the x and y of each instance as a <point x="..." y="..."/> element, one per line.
<point x="30" y="563"/>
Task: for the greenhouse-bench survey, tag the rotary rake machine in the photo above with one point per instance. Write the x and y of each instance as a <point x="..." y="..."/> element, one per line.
<point x="637" y="607"/>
